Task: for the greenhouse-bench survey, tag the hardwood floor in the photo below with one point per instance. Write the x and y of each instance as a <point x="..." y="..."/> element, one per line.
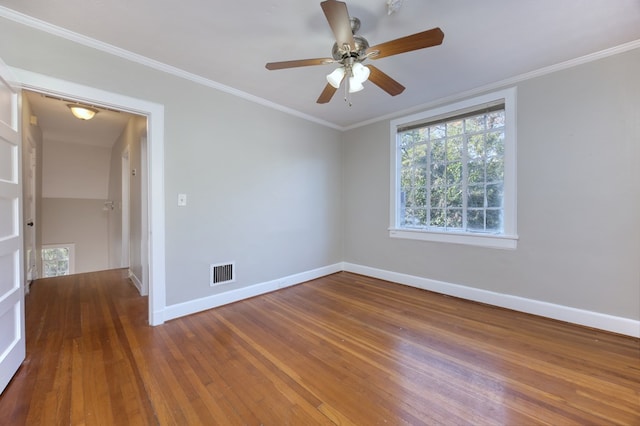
<point x="344" y="349"/>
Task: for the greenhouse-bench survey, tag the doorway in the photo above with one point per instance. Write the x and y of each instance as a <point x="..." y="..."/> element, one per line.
<point x="154" y="139"/>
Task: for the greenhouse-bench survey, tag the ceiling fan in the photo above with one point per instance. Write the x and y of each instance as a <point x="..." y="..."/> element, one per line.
<point x="350" y="50"/>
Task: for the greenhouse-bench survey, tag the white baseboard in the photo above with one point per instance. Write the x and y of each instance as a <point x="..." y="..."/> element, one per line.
<point x="198" y="305"/>
<point x="583" y="317"/>
<point x="597" y="320"/>
<point x="136" y="281"/>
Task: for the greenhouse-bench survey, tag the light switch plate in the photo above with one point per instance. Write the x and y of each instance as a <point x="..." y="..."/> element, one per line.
<point x="182" y="200"/>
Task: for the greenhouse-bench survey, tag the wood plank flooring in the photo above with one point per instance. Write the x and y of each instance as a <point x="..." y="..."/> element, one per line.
<point x="344" y="349"/>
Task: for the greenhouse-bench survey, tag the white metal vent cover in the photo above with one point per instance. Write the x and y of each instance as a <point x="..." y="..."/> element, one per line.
<point x="222" y="273"/>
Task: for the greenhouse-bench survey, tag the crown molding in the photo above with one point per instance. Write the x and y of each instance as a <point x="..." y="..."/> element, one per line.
<point x="38" y="24"/>
<point x="505" y="83"/>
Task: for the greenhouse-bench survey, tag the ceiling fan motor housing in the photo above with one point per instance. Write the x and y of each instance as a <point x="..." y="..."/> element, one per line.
<point x="338" y="53"/>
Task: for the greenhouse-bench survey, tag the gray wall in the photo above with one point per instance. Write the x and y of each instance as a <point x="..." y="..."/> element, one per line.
<point x="578" y="197"/>
<point x="79" y="221"/>
<point x="263" y="187"/>
<point x="75" y="180"/>
<point x="275" y="193"/>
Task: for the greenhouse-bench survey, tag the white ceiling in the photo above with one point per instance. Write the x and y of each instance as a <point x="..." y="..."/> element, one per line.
<point x="229" y="42"/>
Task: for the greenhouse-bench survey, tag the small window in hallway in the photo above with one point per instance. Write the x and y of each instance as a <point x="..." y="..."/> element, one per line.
<point x="57" y="260"/>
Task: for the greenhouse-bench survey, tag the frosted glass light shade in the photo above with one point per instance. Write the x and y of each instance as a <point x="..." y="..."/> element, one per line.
<point x="82" y="112"/>
<point x="354" y="85"/>
<point x="336" y="76"/>
<point x="360" y="72"/>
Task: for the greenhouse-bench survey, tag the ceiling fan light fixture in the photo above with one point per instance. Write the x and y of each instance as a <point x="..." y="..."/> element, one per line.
<point x="82" y="112"/>
<point x="359" y="72"/>
<point x="335" y="77"/>
<point x="355" y="85"/>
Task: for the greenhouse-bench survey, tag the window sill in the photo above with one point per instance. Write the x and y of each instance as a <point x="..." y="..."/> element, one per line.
<point x="507" y="242"/>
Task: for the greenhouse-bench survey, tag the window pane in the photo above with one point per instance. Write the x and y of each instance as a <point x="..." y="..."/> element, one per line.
<point x="475" y="220"/>
<point x="408" y="218"/>
<point x="408" y="199"/>
<point x="421" y="218"/>
<point x="476" y="172"/>
<point x="494" y="220"/>
<point x="415" y="218"/>
<point x="49" y="269"/>
<point x="421" y="177"/>
<point x="411" y="137"/>
<point x="475" y="147"/>
<point x="420" y="155"/>
<point x="494" y="195"/>
<point x="438" y="153"/>
<point x="495" y="170"/>
<point x="420" y="196"/>
<point x="475" y="196"/>
<point x="437" y="197"/>
<point x="495" y="144"/>
<point x="436" y="218"/>
<point x="438" y="131"/>
<point x="454" y="149"/>
<point x="495" y="120"/>
<point x="406" y="154"/>
<point x="454" y="196"/>
<point x="406" y="179"/>
<point x="454" y="218"/>
<point x="63" y="267"/>
<point x="454" y="128"/>
<point x="413" y="154"/>
<point x="438" y="174"/>
<point x="474" y="124"/>
<point x="454" y="173"/>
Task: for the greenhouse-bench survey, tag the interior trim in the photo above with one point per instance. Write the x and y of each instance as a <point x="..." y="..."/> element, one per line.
<point x="235" y="295"/>
<point x="38" y="24"/>
<point x="155" y="153"/>
<point x="620" y="325"/>
<point x="160" y="66"/>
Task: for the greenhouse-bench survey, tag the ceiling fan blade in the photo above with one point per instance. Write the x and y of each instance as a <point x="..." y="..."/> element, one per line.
<point x="429" y="38"/>
<point x="326" y="94"/>
<point x="298" y="63"/>
<point x="338" y="18"/>
<point x="384" y="82"/>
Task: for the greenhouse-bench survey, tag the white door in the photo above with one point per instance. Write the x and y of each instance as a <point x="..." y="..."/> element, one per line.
<point x="12" y="343"/>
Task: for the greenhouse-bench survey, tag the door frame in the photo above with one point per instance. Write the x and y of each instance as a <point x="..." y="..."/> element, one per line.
<point x="32" y="259"/>
<point x="144" y="210"/>
<point x="155" y="165"/>
<point x="125" y="255"/>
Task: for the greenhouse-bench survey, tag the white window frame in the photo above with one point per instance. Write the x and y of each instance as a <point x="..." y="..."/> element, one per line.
<point x="509" y="238"/>
<point x="72" y="255"/>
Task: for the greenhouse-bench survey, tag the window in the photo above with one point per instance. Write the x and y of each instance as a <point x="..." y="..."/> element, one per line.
<point x="57" y="260"/>
<point x="453" y="173"/>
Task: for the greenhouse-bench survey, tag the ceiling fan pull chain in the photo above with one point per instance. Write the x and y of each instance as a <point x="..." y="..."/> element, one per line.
<point x="347" y="93"/>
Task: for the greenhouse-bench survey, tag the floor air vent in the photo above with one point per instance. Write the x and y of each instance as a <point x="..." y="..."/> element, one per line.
<point x="222" y="273"/>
